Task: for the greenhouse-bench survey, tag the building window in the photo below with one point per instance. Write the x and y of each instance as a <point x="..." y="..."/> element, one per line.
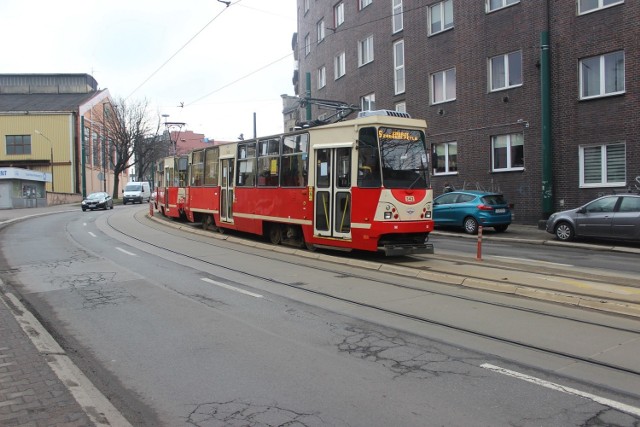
<point x="602" y="75"/>
<point x="364" y="3"/>
<point x="365" y="51"/>
<point x="18" y="144"/>
<point x="499" y="4"/>
<point x="320" y="29"/>
<point x="505" y="71"/>
<point x="397" y="21"/>
<point x="401" y="107"/>
<point x="440" y="17"/>
<point x="307" y="44"/>
<point x="586" y="6"/>
<point x="398" y="67"/>
<point x="339" y="65"/>
<point x="306" y="6"/>
<point x="507" y="152"/>
<point x="322" y="77"/>
<point x="368" y="102"/>
<point x="603" y="165"/>
<point x="338" y="15"/>
<point x="443" y="86"/>
<point x="95" y="149"/>
<point x="445" y="158"/>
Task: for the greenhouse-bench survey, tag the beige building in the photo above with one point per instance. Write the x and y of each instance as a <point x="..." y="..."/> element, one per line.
<point x="52" y="123"/>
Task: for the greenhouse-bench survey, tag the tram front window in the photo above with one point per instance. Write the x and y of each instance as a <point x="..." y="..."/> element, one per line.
<point x="404" y="158"/>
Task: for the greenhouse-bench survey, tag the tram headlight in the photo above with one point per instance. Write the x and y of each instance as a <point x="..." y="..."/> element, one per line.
<point x="387" y="215"/>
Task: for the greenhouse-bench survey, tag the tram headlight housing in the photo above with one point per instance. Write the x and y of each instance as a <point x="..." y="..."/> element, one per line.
<point x="388" y="215"/>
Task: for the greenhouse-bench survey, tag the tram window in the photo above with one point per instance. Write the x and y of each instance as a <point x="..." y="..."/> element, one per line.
<point x="197" y="169"/>
<point x="294" y="161"/>
<point x="211" y="157"/>
<point x="368" y="159"/>
<point x="268" y="170"/>
<point x="246" y="165"/>
<point x="344" y="168"/>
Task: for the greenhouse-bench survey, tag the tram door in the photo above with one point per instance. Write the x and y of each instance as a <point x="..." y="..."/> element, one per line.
<point x="226" y="190"/>
<point x="333" y="193"/>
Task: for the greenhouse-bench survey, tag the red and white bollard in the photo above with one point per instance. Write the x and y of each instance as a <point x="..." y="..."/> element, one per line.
<point x="479" y="252"/>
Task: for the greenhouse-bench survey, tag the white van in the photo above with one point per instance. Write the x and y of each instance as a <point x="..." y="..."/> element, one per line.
<point x="136" y="192"/>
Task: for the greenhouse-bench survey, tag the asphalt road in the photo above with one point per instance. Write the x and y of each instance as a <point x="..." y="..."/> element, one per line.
<point x="218" y="334"/>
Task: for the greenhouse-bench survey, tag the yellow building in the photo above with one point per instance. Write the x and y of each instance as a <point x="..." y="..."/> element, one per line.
<point x="52" y="123"/>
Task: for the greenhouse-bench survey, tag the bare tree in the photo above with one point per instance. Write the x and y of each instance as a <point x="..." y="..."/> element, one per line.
<point x="129" y="128"/>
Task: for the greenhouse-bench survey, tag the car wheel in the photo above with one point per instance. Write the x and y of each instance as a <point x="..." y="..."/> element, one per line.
<point x="84" y="209"/>
<point x="501" y="228"/>
<point x="564" y="231"/>
<point x="111" y="207"/>
<point x="470" y="225"/>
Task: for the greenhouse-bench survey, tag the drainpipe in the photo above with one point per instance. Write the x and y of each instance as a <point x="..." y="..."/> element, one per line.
<point x="308" y="78"/>
<point x="547" y="146"/>
<point x="84" y="170"/>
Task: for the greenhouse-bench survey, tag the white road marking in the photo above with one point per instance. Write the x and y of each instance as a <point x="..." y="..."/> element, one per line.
<point x="92" y="234"/>
<point x="231" y="288"/>
<point x="126" y="252"/>
<point x="531" y="260"/>
<point x="568" y="390"/>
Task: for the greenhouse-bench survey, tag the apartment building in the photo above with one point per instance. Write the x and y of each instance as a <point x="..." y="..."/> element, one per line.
<point x="537" y="99"/>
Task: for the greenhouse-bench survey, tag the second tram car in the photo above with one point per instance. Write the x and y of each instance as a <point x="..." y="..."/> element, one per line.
<point x="358" y="184"/>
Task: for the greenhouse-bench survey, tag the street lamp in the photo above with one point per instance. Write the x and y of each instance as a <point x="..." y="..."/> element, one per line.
<point x="50" y="159"/>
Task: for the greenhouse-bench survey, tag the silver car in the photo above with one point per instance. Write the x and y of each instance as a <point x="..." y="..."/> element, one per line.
<point x="610" y="217"/>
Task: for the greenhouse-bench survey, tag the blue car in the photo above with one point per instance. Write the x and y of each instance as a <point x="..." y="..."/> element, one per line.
<point x="470" y="209"/>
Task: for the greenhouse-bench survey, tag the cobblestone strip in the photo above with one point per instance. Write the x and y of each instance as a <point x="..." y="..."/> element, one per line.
<point x="39" y="384"/>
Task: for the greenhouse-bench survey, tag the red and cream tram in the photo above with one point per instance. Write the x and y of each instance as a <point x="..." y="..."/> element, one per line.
<point x="356" y="184"/>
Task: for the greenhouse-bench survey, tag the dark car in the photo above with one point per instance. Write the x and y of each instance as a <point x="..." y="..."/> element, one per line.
<point x="99" y="200"/>
<point x="469" y="209"/>
<point x="609" y="217"/>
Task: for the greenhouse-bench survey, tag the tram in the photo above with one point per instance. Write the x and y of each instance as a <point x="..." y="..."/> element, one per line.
<point x="359" y="184"/>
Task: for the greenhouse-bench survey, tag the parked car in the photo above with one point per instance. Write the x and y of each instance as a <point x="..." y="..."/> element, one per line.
<point x="469" y="209"/>
<point x="611" y="217"/>
<point x="99" y="200"/>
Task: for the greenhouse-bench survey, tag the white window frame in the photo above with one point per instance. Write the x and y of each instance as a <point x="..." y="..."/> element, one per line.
<point x="447" y="158"/>
<point x="307" y="44"/>
<point x="306" y="6"/>
<point x="368" y="102"/>
<point x="399" y="81"/>
<point x="493" y="5"/>
<point x="397" y="16"/>
<point x="401" y="107"/>
<point x="506" y="63"/>
<point x="509" y="159"/>
<point x="321" y="30"/>
<point x="364" y="3"/>
<point x="338" y="14"/>
<point x="322" y="77"/>
<point x="339" y="65"/>
<point x="365" y="51"/>
<point x="602" y="4"/>
<point x="604" y="166"/>
<point x="443" y="77"/>
<point x="602" y="73"/>
<point x="439" y="9"/>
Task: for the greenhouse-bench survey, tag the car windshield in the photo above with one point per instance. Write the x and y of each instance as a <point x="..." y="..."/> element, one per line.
<point x="96" y="196"/>
<point x="132" y="187"/>
<point x="494" y="199"/>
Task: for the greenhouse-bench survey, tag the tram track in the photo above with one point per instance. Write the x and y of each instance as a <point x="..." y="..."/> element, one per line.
<point x="386" y="310"/>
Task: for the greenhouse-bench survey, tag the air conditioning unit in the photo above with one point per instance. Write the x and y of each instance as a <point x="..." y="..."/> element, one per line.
<point x="390" y="113"/>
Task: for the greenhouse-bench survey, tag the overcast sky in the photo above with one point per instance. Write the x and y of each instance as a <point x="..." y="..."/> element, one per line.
<point x="223" y="63"/>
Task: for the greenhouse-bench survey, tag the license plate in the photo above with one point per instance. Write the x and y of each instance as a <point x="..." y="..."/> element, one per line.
<point x="501" y="210"/>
